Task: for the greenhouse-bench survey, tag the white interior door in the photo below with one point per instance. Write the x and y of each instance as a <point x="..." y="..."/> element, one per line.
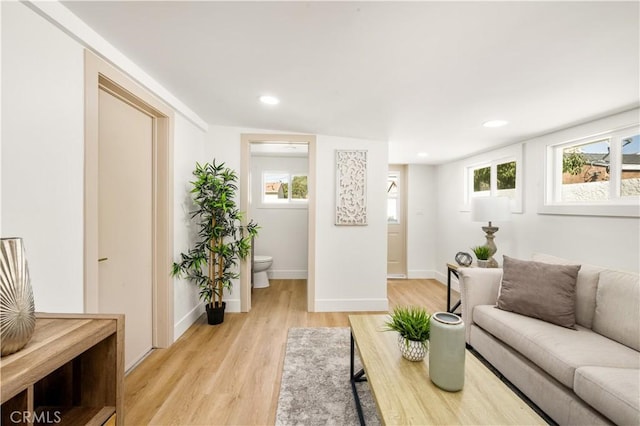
<point x="396" y="223"/>
<point x="125" y="220"/>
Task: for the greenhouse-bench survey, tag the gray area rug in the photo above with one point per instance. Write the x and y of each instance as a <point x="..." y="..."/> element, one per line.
<point x="315" y="388"/>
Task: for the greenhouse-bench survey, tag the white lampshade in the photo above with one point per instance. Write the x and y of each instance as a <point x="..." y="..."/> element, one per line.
<point x="490" y="209"/>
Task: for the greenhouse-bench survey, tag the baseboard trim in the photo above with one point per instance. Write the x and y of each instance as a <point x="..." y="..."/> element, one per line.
<point x="421" y="274"/>
<point x="442" y="278"/>
<point x="288" y="274"/>
<point x="352" y="305"/>
<point x="396" y="277"/>
<point x="233" y="305"/>
<point x="455" y="285"/>
<point x="186" y="321"/>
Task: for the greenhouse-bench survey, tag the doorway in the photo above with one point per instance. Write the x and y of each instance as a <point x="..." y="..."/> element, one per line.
<point x="128" y="207"/>
<point x="124" y="234"/>
<point x="397" y="222"/>
<point x="255" y="140"/>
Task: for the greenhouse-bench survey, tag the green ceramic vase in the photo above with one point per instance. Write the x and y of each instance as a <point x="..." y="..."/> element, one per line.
<point x="447" y="351"/>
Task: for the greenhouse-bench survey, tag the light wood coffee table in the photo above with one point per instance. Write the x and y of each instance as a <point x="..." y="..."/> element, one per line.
<point x="405" y="395"/>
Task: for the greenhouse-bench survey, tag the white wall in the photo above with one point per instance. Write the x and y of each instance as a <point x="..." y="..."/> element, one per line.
<point x="189" y="143"/>
<point x="350" y="260"/>
<point x="1" y="97"/>
<point x="606" y="241"/>
<point x="42" y="161"/>
<point x="283" y="229"/>
<point x="421" y="221"/>
<point x="56" y="12"/>
<point x="42" y="154"/>
<point x="223" y="146"/>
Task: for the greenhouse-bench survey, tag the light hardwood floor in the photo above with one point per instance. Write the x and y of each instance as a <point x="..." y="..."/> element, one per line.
<point x="230" y="374"/>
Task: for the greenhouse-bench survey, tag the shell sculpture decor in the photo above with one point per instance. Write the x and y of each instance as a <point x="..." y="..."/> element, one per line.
<point x="17" y="317"/>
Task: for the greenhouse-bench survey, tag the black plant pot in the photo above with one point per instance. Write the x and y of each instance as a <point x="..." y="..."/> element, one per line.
<point x="215" y="314"/>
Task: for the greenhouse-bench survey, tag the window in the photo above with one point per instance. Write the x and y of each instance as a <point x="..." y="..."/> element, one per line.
<point x="276" y="188"/>
<point x="506" y="178"/>
<point x="630" y="170"/>
<point x="393" y="201"/>
<point x="585" y="171"/>
<point x="498" y="178"/>
<point x="481" y="180"/>
<point x="593" y="174"/>
<point x="299" y="187"/>
<point x="496" y="173"/>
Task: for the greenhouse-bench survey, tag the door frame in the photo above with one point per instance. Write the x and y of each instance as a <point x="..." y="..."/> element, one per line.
<point x="101" y="75"/>
<point x="245" y="193"/>
<point x="403" y="170"/>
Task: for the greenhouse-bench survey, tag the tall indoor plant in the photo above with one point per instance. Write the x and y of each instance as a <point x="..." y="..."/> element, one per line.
<point x="212" y="262"/>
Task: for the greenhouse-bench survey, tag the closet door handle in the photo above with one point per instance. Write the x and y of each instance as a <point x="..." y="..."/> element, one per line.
<point x="102" y="259"/>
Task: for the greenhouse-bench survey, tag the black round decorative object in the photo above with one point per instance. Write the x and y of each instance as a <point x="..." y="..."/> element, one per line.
<point x="463" y="259"/>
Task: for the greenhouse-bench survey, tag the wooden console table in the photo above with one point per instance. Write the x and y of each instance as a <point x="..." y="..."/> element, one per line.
<point x="405" y="395"/>
<point x="71" y="372"/>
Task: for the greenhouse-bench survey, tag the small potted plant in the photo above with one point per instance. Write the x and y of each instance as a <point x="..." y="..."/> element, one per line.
<point x="412" y="324"/>
<point x="482" y="254"/>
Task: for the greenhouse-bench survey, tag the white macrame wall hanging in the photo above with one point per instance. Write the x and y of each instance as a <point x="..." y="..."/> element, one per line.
<point x="351" y="187"/>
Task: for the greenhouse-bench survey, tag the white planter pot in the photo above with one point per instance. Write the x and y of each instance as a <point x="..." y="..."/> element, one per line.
<point x="411" y="349"/>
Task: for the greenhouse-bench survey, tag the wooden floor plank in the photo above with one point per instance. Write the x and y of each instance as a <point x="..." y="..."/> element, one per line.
<point x="230" y="374"/>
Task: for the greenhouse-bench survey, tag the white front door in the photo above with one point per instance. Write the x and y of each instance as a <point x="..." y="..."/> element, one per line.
<point x="396" y="223"/>
<point x="125" y="242"/>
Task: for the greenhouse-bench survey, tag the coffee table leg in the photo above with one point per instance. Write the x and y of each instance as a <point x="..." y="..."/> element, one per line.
<point x="455" y="273"/>
<point x="449" y="270"/>
<point x="357" y="377"/>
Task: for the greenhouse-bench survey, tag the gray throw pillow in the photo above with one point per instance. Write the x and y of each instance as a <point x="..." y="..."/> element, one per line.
<point x="539" y="290"/>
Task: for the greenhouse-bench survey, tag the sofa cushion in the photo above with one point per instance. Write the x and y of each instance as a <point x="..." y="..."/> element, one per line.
<point x="617" y="314"/>
<point x="554" y="399"/>
<point x="539" y="290"/>
<point x="586" y="286"/>
<point x="614" y="392"/>
<point x="557" y="350"/>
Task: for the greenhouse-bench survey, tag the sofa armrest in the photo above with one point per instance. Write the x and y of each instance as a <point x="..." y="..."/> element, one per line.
<point x="478" y="286"/>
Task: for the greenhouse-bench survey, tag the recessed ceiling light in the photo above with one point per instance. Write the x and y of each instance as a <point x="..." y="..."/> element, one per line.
<point x="423" y="154"/>
<point x="269" y="100"/>
<point x="495" y="123"/>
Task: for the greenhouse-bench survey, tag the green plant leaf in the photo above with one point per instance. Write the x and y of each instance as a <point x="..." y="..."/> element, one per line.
<point x="481" y="252"/>
<point x="218" y="221"/>
<point x="411" y="322"/>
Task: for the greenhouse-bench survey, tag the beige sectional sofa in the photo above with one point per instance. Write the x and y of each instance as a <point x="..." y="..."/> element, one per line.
<point x="583" y="376"/>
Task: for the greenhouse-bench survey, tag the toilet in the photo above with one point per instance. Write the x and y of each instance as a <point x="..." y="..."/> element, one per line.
<point x="260" y="266"/>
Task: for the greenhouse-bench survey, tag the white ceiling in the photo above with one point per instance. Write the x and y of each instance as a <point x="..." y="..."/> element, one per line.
<point x="422" y="75"/>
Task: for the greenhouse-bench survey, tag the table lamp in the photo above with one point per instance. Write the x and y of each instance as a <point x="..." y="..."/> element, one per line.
<point x="490" y="209"/>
